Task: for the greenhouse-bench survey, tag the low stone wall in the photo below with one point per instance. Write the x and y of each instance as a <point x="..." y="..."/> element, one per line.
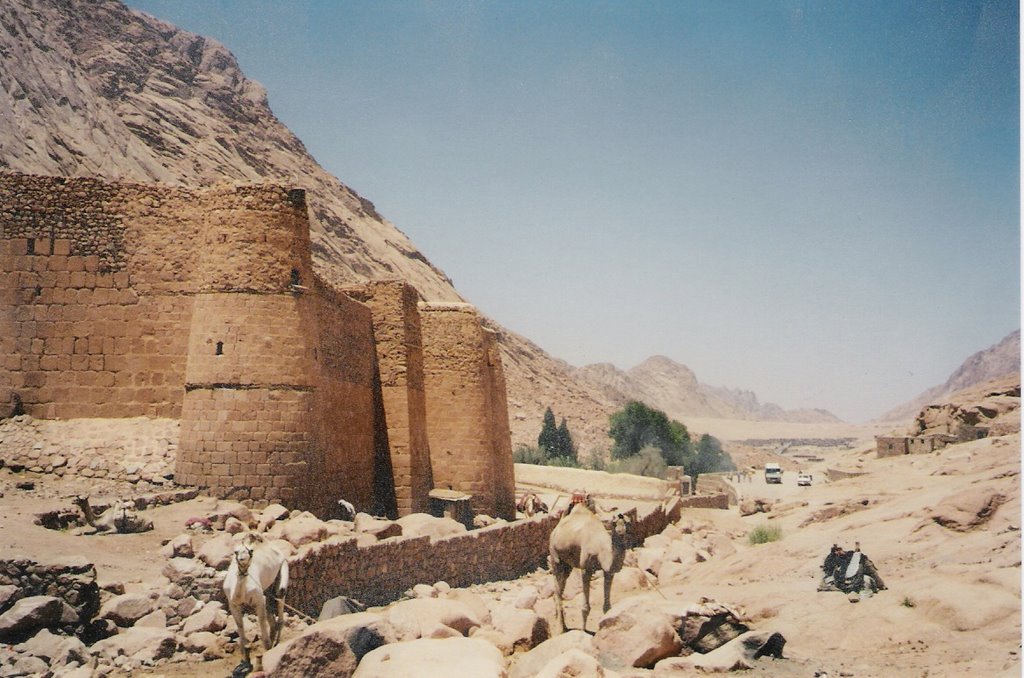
<point x="73" y="580"/>
<point x="710" y="501"/>
<point x="837" y="474"/>
<point x="380" y="573"/>
<point x="716" y="483"/>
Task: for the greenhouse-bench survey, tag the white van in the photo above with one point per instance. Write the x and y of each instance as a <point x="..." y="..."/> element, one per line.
<point x="773" y="473"/>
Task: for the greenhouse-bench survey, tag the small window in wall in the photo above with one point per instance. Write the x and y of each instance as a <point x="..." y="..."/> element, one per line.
<point x="31" y="248"/>
<point x="296" y="278"/>
<point x="39" y="290"/>
<point x="220" y="348"/>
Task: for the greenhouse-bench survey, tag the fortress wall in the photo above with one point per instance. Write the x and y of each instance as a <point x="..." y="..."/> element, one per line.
<point x="501" y="452"/>
<point x="345" y="419"/>
<point x="77" y="338"/>
<point x="460" y="408"/>
<point x="399" y="348"/>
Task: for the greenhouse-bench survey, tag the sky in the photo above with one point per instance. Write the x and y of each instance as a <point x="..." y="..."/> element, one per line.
<point x="816" y="201"/>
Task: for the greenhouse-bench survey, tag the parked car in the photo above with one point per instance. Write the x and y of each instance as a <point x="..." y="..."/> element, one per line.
<point x="804" y="479"/>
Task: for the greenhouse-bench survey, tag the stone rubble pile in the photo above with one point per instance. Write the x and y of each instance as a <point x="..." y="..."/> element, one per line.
<point x="134" y="450"/>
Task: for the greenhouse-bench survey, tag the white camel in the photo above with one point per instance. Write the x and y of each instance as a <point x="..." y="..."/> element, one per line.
<point x="256" y="568"/>
<point x="580" y="540"/>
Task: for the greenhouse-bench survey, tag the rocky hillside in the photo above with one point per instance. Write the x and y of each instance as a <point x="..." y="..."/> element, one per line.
<point x="673" y="388"/>
<point x="992" y="363"/>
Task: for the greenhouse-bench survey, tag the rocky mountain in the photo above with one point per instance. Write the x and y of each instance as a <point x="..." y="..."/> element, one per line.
<point x="991" y="363"/>
<point x="673" y="388"/>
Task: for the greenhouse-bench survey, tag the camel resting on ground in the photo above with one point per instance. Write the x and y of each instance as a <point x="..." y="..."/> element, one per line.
<point x="256" y="568"/>
<point x="120" y="518"/>
<point x="580" y="540"/>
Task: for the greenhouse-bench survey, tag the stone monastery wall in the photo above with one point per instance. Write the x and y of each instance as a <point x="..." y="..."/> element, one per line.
<point x="122" y="300"/>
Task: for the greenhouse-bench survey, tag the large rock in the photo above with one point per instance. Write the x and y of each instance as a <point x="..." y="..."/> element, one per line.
<point x="967" y="509"/>
<point x="9" y="595"/>
<point x="179" y="547"/>
<point x="127" y="609"/>
<point x="211" y="617"/>
<point x="142" y="644"/>
<point x="29" y="615"/>
<point x="338" y="606"/>
<point x="434" y="658"/>
<point x="227" y="509"/>
<point x="381" y="529"/>
<point x="738" y="654"/>
<point x="183" y="570"/>
<point x="430" y="617"/>
<point x="329" y="648"/>
<point x="530" y="663"/>
<point x="524" y="628"/>
<point x="707" y="625"/>
<point x="270" y="515"/>
<point x="425" y="525"/>
<point x="570" y="664"/>
<point x="304" y="528"/>
<point x="218" y="551"/>
<point x="635" y="633"/>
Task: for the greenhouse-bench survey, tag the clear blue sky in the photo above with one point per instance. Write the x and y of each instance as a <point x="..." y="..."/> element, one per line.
<point x="816" y="201"/>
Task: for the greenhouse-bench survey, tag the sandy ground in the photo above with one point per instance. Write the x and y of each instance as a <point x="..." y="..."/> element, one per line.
<point x="952" y="607"/>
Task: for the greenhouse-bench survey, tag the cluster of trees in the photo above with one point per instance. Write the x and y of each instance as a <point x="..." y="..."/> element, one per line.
<point x="646" y="441"/>
<point x="555" y="446"/>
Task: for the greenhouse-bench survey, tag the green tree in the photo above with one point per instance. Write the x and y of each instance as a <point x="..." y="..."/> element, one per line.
<point x="637" y="426"/>
<point x="548" y="438"/>
<point x="566" y="447"/>
<point x="710" y="457"/>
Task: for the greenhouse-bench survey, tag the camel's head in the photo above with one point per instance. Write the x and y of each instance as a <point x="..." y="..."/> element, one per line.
<point x="622" y="528"/>
<point x="243" y="555"/>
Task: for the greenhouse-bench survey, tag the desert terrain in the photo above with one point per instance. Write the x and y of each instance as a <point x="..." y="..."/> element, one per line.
<point x="943" y="530"/>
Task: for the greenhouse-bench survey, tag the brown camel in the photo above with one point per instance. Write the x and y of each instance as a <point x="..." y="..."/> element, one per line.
<point x="580" y="540"/>
<point x="120" y="518"/>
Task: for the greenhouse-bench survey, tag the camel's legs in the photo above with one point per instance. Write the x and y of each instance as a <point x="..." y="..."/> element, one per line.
<point x="587" y="574"/>
<point x="236" y="612"/>
<point x="261" y="614"/>
<point x="278" y="619"/>
<point x="608" y="576"/>
<point x="561" y="572"/>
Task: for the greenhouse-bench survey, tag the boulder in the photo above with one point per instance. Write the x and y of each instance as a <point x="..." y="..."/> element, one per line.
<point x="738" y="654"/>
<point x="672" y="572"/>
<point x="304" y="528"/>
<point x="472" y="601"/>
<point x="270" y="515"/>
<point x="234" y="526"/>
<point x="217" y="552"/>
<point x="636" y="633"/>
<point x="330" y="648"/>
<point x="9" y="595"/>
<point x="967" y="509"/>
<point x="524" y="628"/>
<point x="156" y="619"/>
<point x="139" y="643"/>
<point x="230" y="509"/>
<point x="338" y="606"/>
<point x="530" y="663"/>
<point x="572" y="663"/>
<point x="627" y="580"/>
<point x="183" y="570"/>
<point x="526" y="598"/>
<point x="29" y="615"/>
<point x="179" y="547"/>
<point x="424" y="525"/>
<point x="28" y="666"/>
<point x="421" y="617"/>
<point x="434" y="658"/>
<point x="380" y="529"/>
<point x="209" y="645"/>
<point x="44" y="645"/>
<point x="211" y="617"/>
<point x="649" y="559"/>
<point x="707" y="625"/>
<point x="126" y="609"/>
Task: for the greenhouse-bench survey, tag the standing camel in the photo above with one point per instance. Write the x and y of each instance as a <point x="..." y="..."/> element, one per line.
<point x="580" y="540"/>
<point x="256" y="568"/>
